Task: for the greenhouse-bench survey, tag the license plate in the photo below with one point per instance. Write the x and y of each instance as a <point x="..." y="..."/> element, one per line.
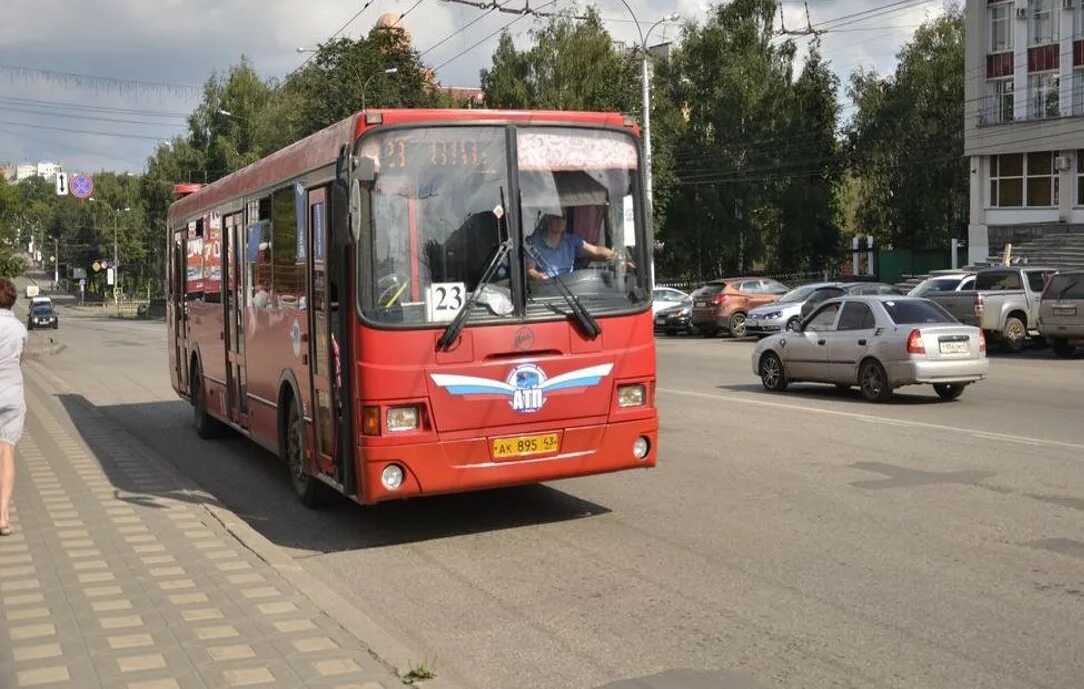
<point x="1064" y="310"/>
<point x="955" y="347"/>
<point x="660" y="319"/>
<point x="525" y="446"/>
<point x="701" y="303"/>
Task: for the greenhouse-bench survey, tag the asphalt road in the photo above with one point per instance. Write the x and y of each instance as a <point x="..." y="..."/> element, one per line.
<point x="801" y="540"/>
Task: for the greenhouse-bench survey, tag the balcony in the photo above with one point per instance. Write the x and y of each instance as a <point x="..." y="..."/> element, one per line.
<point x="995" y="109"/>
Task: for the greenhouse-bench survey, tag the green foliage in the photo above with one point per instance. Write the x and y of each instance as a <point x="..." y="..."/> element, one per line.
<point x="347" y="72"/>
<point x="906" y="142"/>
<point x="572" y="65"/>
<point x="756" y="160"/>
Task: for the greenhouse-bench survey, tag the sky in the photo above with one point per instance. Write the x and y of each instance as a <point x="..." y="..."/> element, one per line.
<point x="155" y="54"/>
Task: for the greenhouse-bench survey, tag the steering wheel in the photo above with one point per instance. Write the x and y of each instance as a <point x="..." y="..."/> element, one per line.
<point x="393" y="285"/>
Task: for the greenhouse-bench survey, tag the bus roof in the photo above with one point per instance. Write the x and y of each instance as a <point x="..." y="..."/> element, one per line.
<point x="322" y="148"/>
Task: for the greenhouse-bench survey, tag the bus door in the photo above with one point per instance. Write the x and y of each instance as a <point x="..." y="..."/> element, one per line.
<point x="323" y="348"/>
<point x="179" y="320"/>
<point x="235" y="302"/>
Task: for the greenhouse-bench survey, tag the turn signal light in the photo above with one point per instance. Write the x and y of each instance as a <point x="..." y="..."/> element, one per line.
<point x="370" y="421"/>
<point x="914" y="343"/>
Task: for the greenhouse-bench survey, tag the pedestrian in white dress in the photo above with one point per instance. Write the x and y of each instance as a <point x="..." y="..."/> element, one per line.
<point x="12" y="399"/>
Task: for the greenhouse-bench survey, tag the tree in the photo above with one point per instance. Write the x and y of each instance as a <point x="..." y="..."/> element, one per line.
<point x="906" y="141"/>
<point x="345" y="72"/>
<point x="572" y="65"/>
<point x="756" y="161"/>
<point x="11" y="262"/>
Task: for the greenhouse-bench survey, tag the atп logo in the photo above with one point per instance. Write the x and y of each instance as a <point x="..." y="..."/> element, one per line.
<point x="527" y="379"/>
<point x="526" y="385"/>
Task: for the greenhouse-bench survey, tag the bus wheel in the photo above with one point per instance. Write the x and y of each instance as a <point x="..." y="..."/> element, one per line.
<point x="310" y="491"/>
<point x="207" y="426"/>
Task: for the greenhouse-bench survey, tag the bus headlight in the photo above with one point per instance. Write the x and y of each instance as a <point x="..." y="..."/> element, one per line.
<point x="631" y="395"/>
<point x="402" y="418"/>
<point x="392" y="476"/>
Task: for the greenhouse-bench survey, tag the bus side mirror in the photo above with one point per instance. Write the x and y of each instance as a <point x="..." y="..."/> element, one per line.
<point x="365" y="169"/>
<point x="359" y="209"/>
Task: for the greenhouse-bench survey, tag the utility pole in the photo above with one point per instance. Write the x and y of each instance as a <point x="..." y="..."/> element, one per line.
<point x="645" y="94"/>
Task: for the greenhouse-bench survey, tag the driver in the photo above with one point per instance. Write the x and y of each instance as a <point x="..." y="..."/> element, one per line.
<point x="559" y="249"/>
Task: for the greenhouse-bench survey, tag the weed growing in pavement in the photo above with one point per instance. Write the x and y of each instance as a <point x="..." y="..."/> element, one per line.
<point x="427" y="669"/>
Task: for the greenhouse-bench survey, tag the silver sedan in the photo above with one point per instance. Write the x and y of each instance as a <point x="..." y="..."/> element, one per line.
<point x="878" y="343"/>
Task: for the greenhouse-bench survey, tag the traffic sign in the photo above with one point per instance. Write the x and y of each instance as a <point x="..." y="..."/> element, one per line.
<point x="109" y="276"/>
<point x="96" y="266"/>
<point x="62" y="184"/>
<point x="82" y="186"/>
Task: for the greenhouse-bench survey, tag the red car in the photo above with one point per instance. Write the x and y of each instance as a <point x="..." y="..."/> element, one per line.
<point x="722" y="305"/>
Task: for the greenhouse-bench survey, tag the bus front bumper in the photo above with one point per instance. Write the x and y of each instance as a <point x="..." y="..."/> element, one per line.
<point x="455" y="466"/>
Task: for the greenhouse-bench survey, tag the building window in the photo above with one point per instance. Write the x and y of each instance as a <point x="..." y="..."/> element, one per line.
<point x="1007" y="180"/>
<point x="1078" y="91"/>
<point x="1043" y="24"/>
<point x="999" y="100"/>
<point x="1080" y="177"/>
<point x="1041" y="180"/>
<point x="1044" y="92"/>
<point x="1020" y="180"/>
<point x="1000" y="17"/>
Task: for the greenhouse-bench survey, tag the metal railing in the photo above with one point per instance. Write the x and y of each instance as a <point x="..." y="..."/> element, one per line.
<point x="995" y="109"/>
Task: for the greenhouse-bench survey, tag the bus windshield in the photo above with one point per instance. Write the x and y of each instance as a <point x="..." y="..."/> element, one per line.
<point x="439" y="207"/>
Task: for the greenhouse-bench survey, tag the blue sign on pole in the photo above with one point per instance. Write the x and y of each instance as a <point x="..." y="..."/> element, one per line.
<point x="81" y="186"/>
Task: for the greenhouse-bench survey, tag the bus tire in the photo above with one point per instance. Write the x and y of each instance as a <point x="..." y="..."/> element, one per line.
<point x="309" y="490"/>
<point x="207" y="426"/>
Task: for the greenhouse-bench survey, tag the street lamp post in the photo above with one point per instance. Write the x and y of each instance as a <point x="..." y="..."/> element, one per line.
<point x="116" y="267"/>
<point x="365" y="86"/>
<point x="646" y="116"/>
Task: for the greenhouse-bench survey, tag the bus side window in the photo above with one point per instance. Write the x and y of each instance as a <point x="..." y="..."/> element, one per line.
<point x="258" y="252"/>
<point x="288" y="273"/>
<point x="193" y="284"/>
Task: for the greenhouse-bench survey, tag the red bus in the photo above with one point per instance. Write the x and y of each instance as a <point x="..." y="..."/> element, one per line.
<point x="415" y="302"/>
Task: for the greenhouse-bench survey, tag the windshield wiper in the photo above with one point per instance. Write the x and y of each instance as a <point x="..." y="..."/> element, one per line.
<point x="587" y="322"/>
<point x="451" y="333"/>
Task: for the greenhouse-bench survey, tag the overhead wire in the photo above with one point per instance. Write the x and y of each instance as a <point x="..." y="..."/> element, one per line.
<point x="84" y="80"/>
<point x="475" y="45"/>
<point x="333" y="36"/>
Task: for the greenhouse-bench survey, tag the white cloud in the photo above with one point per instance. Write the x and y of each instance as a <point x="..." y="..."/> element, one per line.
<point x="183" y="41"/>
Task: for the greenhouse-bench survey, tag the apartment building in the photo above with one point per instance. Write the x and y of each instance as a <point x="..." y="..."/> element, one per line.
<point x="46" y="169"/>
<point x="1024" y="120"/>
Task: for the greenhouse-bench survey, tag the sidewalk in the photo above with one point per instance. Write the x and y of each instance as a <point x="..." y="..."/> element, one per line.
<point x="117" y="575"/>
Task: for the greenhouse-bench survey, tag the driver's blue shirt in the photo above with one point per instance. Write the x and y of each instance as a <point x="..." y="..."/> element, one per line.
<point x="557" y="260"/>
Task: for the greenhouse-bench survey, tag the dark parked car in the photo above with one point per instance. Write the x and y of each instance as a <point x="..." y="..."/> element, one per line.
<point x="676" y="319"/>
<point x="42" y="316"/>
<point x="852" y="289"/>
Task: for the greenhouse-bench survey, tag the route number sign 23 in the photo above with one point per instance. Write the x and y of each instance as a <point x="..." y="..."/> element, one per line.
<point x="443" y="300"/>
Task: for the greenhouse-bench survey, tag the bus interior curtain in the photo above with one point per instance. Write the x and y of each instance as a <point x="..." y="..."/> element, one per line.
<point x="554" y="190"/>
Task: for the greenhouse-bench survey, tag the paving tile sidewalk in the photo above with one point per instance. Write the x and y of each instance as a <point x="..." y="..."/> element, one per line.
<point x="117" y="577"/>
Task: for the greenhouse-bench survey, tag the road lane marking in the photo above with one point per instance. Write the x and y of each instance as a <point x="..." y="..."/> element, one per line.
<point x="1004" y="437"/>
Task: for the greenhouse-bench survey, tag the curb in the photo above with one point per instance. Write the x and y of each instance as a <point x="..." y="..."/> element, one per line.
<point x="382" y="645"/>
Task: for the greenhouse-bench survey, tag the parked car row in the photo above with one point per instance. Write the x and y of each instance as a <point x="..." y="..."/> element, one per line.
<point x="1013" y="304"/>
<point x="748" y="306"/>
